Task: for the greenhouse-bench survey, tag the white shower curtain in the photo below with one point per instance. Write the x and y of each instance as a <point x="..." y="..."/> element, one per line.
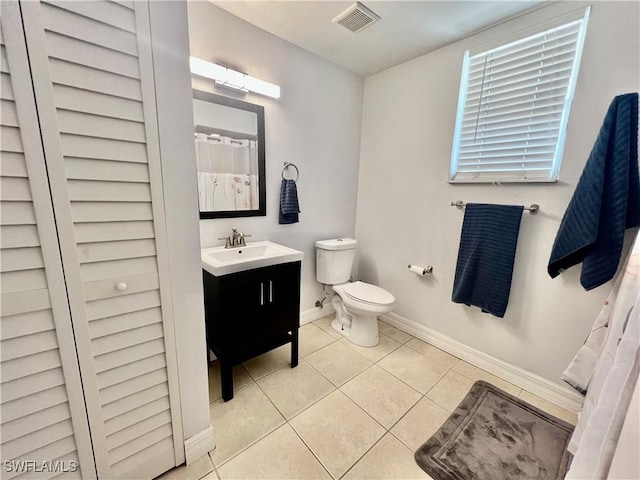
<point x="227" y="173"/>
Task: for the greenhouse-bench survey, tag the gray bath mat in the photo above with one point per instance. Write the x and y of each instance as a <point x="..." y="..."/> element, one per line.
<point x="493" y="435"/>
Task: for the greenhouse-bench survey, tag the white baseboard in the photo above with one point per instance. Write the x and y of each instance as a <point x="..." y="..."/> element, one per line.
<point x="199" y="445"/>
<point x="316" y="313"/>
<point x="555" y="393"/>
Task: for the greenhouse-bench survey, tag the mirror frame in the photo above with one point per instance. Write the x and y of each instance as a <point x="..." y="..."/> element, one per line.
<point x="262" y="192"/>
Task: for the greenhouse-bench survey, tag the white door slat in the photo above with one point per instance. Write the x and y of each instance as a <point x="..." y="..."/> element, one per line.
<point x="13" y="165"/>
<point x="89" y="169"/>
<point x="6" y="89"/>
<point x="130" y="338"/>
<point x="151" y="461"/>
<point x="128" y="435"/>
<point x="122" y="374"/>
<point x="49" y="443"/>
<point x="101" y="191"/>
<point x="12" y="259"/>
<point x="88" y="30"/>
<point x="22" y="281"/>
<point x="101" y="289"/>
<point x="90" y="125"/>
<point x="133" y="385"/>
<point x="103" y="251"/>
<point x="118" y="268"/>
<point x="108" y="231"/>
<point x="17" y="213"/>
<point x="94" y="80"/>
<point x="124" y="322"/>
<point x="110" y="211"/>
<point x="15" y="236"/>
<point x="106" y="12"/>
<point x="112" y="411"/>
<point x="11" y="141"/>
<point x="36" y="402"/>
<point x="4" y="64"/>
<point x="135" y="401"/>
<point x="137" y="415"/>
<point x="103" y="149"/>
<point x="14" y="348"/>
<point x="96" y="103"/>
<point x="15" y="189"/>
<point x="23" y="302"/>
<point x="34" y="422"/>
<point x="128" y="355"/>
<point x="140" y="443"/>
<point x="26" y="323"/>
<point x="109" y="307"/>
<point x="9" y="115"/>
<point x="76" y="51"/>
<point x="23" y="387"/>
<point x="22" y="367"/>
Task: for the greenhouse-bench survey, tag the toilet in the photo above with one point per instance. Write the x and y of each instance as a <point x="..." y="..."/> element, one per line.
<point x="357" y="304"/>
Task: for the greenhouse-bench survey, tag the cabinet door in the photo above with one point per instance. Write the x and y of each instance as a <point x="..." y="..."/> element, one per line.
<point x="42" y="412"/>
<point x="93" y="80"/>
<point x="283" y="297"/>
<point x="242" y="300"/>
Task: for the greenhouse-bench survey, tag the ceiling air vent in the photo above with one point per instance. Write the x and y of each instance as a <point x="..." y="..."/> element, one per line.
<point x="356" y="18"/>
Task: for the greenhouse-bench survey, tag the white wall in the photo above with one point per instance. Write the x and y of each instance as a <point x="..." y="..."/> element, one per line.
<point x="315" y="124"/>
<point x="404" y="213"/>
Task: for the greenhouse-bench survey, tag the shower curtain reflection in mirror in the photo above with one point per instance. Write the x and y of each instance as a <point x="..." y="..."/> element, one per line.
<point x="227" y="171"/>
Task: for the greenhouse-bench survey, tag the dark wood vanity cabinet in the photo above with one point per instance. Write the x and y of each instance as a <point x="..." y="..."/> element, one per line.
<point x="249" y="313"/>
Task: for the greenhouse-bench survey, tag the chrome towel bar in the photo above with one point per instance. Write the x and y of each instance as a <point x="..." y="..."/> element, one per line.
<point x="533" y="209"/>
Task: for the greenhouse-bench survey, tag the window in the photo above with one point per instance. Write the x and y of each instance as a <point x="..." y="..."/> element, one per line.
<point x="514" y="106"/>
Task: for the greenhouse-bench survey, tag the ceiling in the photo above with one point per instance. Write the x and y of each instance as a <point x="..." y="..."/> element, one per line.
<point x="407" y="28"/>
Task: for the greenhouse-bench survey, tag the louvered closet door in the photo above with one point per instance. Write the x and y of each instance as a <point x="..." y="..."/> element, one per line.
<point x="93" y="81"/>
<point x="42" y="411"/>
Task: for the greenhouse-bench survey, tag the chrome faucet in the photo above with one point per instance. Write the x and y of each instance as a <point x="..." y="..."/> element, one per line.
<point x="236" y="239"/>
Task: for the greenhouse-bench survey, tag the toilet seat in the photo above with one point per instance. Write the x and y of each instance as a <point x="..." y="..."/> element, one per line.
<point x="368" y="294"/>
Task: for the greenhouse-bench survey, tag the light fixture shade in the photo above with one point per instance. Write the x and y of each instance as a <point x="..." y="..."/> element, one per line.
<point x="262" y="87"/>
<point x="233" y="79"/>
<point x="203" y="68"/>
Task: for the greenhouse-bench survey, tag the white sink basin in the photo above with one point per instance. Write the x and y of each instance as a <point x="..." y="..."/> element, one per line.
<point x="220" y="261"/>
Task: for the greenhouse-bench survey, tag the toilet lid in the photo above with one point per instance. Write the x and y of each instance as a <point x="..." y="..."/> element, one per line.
<point x="367" y="293"/>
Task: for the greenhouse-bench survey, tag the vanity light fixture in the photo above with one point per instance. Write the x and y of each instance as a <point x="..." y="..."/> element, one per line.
<point x="227" y="77"/>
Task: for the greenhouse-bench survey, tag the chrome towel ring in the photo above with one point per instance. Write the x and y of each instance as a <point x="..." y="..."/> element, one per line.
<point x="287" y="165"/>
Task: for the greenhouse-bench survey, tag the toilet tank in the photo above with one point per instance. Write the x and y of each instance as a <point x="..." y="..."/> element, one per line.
<point x="334" y="259"/>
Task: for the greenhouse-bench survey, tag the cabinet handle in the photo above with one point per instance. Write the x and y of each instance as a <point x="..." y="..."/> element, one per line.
<point x="261" y="293"/>
<point x="270" y="291"/>
<point x="121" y="287"/>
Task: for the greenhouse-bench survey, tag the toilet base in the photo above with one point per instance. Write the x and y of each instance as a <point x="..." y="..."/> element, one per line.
<point x="363" y="331"/>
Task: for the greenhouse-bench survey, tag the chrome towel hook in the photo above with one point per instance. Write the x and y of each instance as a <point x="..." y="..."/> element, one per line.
<point x="287" y="165"/>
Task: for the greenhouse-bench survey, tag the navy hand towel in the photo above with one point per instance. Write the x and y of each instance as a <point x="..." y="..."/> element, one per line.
<point x="485" y="257"/>
<point x="289" y="207"/>
<point x="605" y="202"/>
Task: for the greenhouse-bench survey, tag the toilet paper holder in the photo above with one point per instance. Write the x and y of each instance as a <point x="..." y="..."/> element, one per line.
<point x="418" y="270"/>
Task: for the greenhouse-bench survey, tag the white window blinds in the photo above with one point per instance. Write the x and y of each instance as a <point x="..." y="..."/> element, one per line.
<point x="514" y="106"/>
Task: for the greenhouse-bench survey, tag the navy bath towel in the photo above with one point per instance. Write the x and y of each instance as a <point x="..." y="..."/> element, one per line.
<point x="485" y="257"/>
<point x="605" y="202"/>
<point x="289" y="207"/>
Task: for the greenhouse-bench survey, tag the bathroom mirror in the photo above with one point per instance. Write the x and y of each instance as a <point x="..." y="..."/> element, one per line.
<point x="229" y="141"/>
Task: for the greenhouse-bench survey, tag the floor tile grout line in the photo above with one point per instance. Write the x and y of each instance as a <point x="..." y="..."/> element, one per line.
<point x="310" y="449"/>
<point x="364" y="454"/>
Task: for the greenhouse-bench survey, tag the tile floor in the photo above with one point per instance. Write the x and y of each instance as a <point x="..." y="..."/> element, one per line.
<point x="345" y="411"/>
